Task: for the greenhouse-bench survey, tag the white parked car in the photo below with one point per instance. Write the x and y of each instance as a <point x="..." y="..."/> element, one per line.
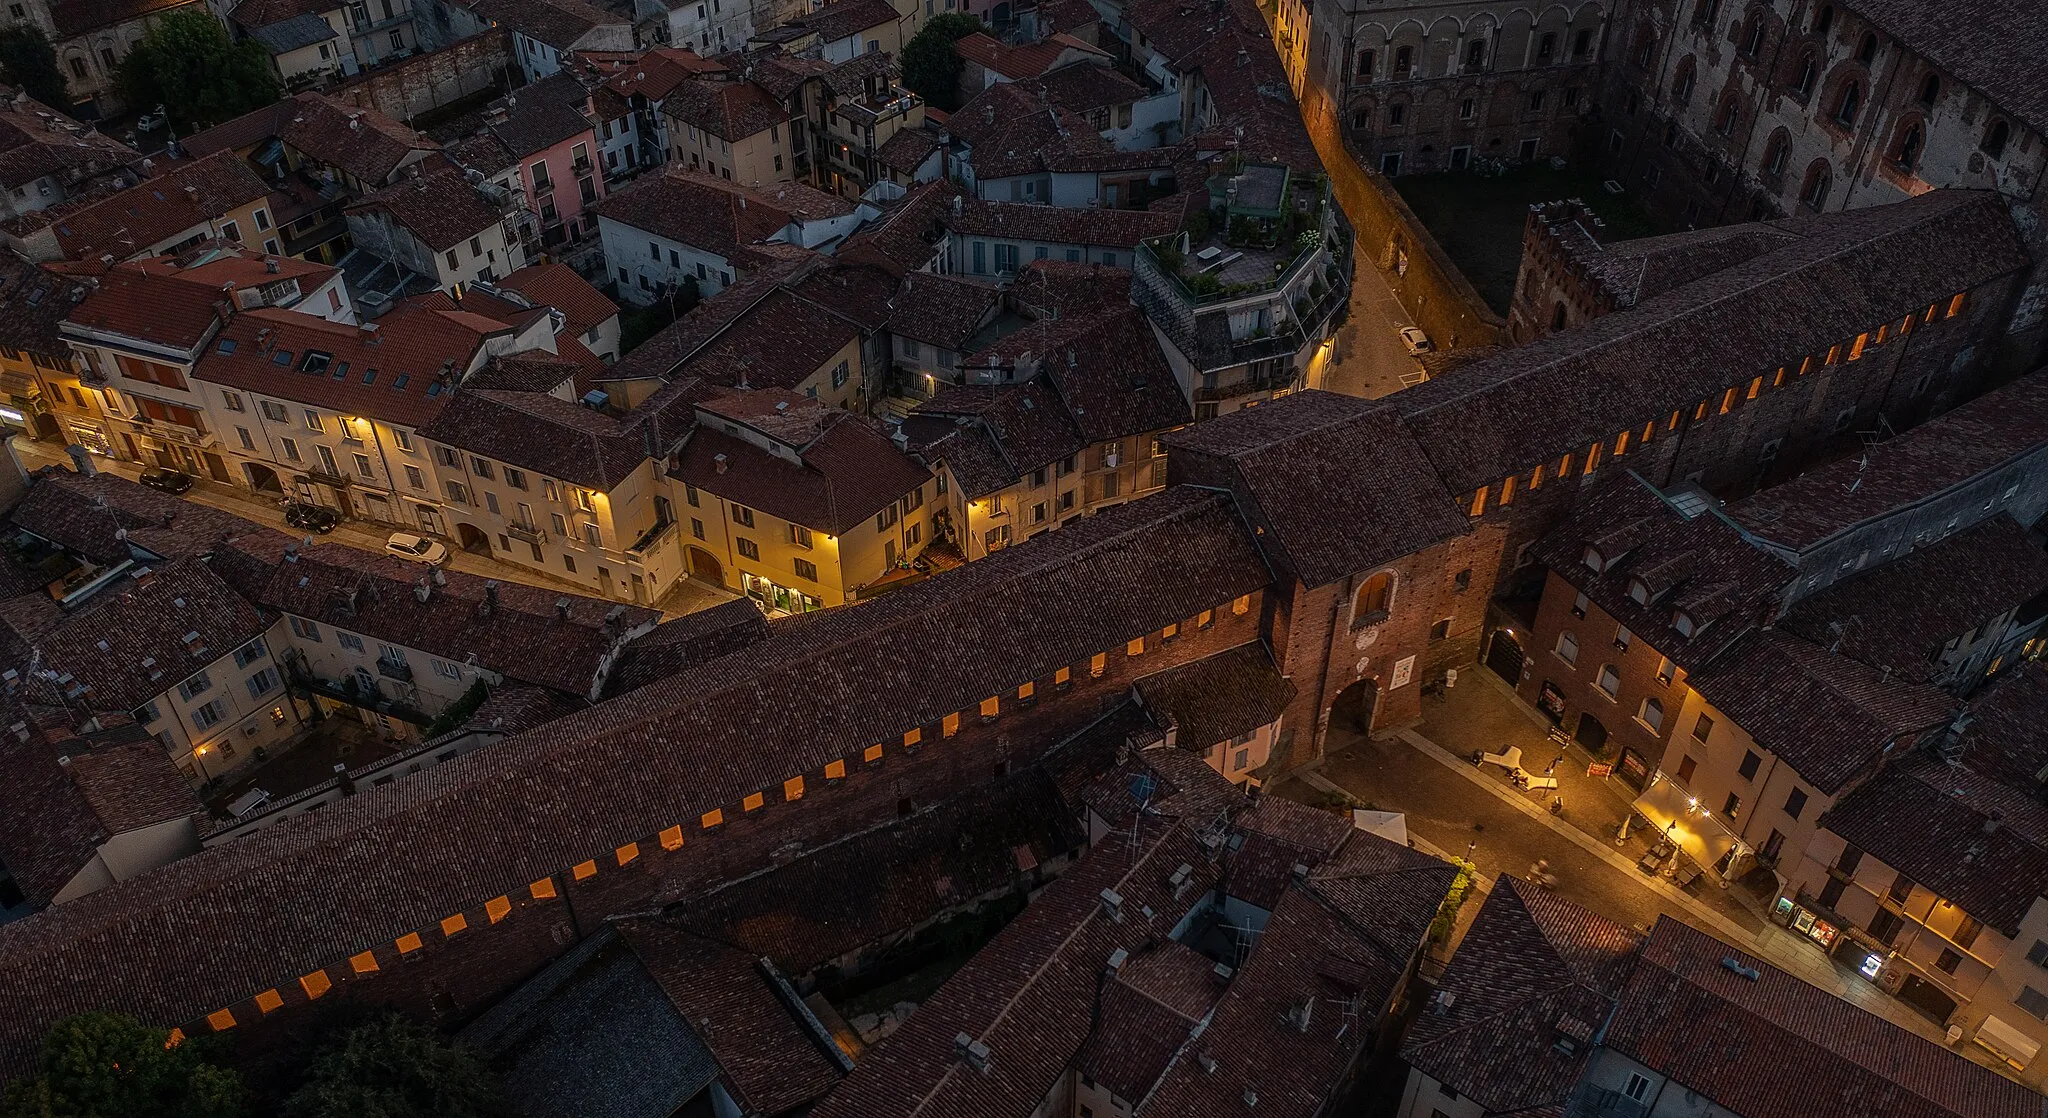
<point x="405" y="545"/>
<point x="1416" y="341"/>
<point x="149" y="122"/>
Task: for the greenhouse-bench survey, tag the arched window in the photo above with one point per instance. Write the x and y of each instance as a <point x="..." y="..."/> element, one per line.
<point x="1609" y="680"/>
<point x="1682" y="88"/>
<point x="1819" y="181"/>
<point x="1753" y="41"/>
<point x="1908" y="155"/>
<point x="1365" y="64"/>
<point x="1930" y="90"/>
<point x="1547" y="45"/>
<point x="1995" y="138"/>
<point x="1651" y="714"/>
<point x="1646" y="45"/>
<point x="1809" y="69"/>
<point x="1724" y="120"/>
<point x="1775" y="154"/>
<point x="1475" y="53"/>
<point x="1557" y="316"/>
<point x="1867" y="53"/>
<point x="1848" y="104"/>
<point x="1826" y="22"/>
<point x="1568" y="647"/>
<point x="1373" y="598"/>
<point x="1582" y="43"/>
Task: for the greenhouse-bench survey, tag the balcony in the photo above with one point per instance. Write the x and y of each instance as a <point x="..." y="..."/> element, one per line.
<point x="543" y="188"/>
<point x="651" y="537"/>
<point x="527" y="533"/>
<point x="320" y="475"/>
<point x="580" y="165"/>
<point x="394" y="669"/>
<point x="304" y="682"/>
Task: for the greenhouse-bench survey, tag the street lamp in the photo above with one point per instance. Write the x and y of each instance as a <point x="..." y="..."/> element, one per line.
<point x="198" y="752"/>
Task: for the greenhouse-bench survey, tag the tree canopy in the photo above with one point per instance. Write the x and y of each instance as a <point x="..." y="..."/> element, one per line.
<point x="187" y="64"/>
<point x="931" y="67"/>
<point x="28" y="61"/>
<point x="109" y="1065"/>
<point x="390" y="1067"/>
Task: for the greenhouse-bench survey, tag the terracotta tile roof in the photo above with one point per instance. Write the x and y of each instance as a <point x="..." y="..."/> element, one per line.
<point x="1530" y="970"/>
<point x="1775" y="1047"/>
<point x="680" y="644"/>
<point x="1964" y="44"/>
<point x="1133" y="1041"/>
<point x="777" y="71"/>
<point x="1014" y="130"/>
<point x="552" y="111"/>
<point x="1029" y="994"/>
<point x="842" y="18"/>
<point x="730" y="110"/>
<point x="1240" y="71"/>
<point x="860" y="891"/>
<point x="594" y="1035"/>
<point x="33" y="302"/>
<point x="942" y="311"/>
<point x="907" y="150"/>
<point x="1389" y="893"/>
<point x="1104" y="367"/>
<point x="131" y="221"/>
<point x="1977" y="843"/>
<point x="37" y="141"/>
<point x="1286" y="460"/>
<point x="2007" y="738"/>
<point x="440" y="208"/>
<point x="1828" y="717"/>
<point x="560" y="439"/>
<point x="558" y="23"/>
<point x="655" y="72"/>
<point x="771" y="1061"/>
<point x="157" y="308"/>
<point x="1218" y="697"/>
<point x="144" y="634"/>
<point x="1846" y="272"/>
<point x="1018" y="62"/>
<point x="1083" y="86"/>
<point x="562" y="642"/>
<point x="1027" y="221"/>
<point x="1701" y="565"/>
<point x="62" y="795"/>
<point x="1306" y="955"/>
<point x="907" y="235"/>
<point x="1051" y="288"/>
<point x="401" y="372"/>
<point x="858" y="292"/>
<point x="1973" y="439"/>
<point x="328" y="886"/>
<point x="779" y="342"/>
<point x="849" y="473"/>
<point x="1898" y="617"/>
<point x="558" y="286"/>
<point x="82" y="515"/>
<point x="363" y="142"/>
<point x="699" y="210"/>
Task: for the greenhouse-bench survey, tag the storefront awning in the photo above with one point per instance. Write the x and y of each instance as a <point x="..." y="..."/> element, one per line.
<point x="1673" y="811"/>
<point x="2007" y="1042"/>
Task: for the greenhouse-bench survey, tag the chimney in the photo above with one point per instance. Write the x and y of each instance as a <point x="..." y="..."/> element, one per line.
<point x="422" y="591"/>
<point x="562" y="608"/>
<point x="192" y="193"/>
<point x="972" y="1052"/>
<point x="490" y="596"/>
<point x="341" y="779"/>
<point x="717" y="462"/>
<point x="1112" y="905"/>
<point x="270" y="265"/>
<point x="1117" y="959"/>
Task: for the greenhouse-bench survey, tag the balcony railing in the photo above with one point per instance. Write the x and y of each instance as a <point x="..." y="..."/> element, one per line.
<point x="527" y="533"/>
<point x="345" y="691"/>
<point x="394" y="669"/>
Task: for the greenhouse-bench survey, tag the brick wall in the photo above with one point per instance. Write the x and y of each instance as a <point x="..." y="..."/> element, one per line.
<point x="429" y="81"/>
<point x="1638" y="667"/>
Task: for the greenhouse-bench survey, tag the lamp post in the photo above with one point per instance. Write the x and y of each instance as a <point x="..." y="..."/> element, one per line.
<point x="199" y="751"/>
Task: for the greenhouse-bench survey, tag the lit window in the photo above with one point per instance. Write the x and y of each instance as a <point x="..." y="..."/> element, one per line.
<point x="316" y="984"/>
<point x="753" y="801"/>
<point x="498" y="908"/>
<point x="625" y="854"/>
<point x="713" y="818"/>
<point x="543" y="889"/>
<point x="365" y="963"/>
<point x="793" y="788"/>
<point x="671" y="838"/>
<point x="221" y="1019"/>
<point x="269" y="1001"/>
<point x="409" y="943"/>
<point x="453" y="924"/>
<point x="584" y="869"/>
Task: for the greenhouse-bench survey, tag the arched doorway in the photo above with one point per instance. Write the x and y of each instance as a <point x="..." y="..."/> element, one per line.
<point x="703" y="565"/>
<point x="1590" y="733"/>
<point x="473" y="538"/>
<point x="262" y="478"/>
<point x="1504" y="656"/>
<point x="1354" y="706"/>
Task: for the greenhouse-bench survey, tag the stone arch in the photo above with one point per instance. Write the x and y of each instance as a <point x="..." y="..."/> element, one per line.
<point x="1777" y="154"/>
<point x="1908" y="142"/>
<point x="1817" y="185"/>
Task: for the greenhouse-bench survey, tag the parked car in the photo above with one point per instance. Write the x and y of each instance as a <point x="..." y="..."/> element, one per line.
<point x="310" y="518"/>
<point x="168" y="481"/>
<point x="1415" y="340"/>
<point x="149" y="122"/>
<point x="405" y="545"/>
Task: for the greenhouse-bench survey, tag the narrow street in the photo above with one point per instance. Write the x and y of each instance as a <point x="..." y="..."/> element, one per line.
<point x="1370" y="359"/>
<point x="688" y="596"/>
<point x="1457" y="807"/>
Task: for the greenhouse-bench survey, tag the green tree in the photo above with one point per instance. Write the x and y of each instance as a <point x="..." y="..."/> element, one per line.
<point x="28" y="61"/>
<point x="931" y="67"/>
<point x="109" y="1065"/>
<point x="390" y="1067"/>
<point x="187" y="64"/>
